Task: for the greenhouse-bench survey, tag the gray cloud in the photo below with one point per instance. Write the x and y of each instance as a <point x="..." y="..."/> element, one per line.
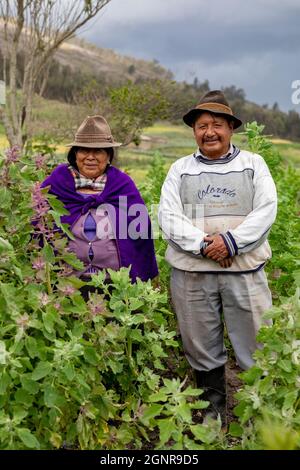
<point x="252" y="45"/>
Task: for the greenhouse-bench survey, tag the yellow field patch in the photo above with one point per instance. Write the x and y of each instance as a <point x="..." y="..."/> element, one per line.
<point x="281" y="141"/>
<point x="166" y="128"/>
<point x="62" y="149"/>
<point x="59" y="148"/>
<point x="3" y="142"/>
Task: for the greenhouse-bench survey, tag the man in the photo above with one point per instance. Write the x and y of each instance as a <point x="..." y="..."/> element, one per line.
<point x="216" y="209"/>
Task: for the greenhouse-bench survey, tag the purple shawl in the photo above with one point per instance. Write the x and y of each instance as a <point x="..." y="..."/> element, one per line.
<point x="139" y="253"/>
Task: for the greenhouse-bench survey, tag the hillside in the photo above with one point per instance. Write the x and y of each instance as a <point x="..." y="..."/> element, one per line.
<point x="78" y="54"/>
<point x="81" y="56"/>
<point x="79" y="67"/>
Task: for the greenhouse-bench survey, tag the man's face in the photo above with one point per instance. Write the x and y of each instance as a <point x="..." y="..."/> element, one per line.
<point x="212" y="134"/>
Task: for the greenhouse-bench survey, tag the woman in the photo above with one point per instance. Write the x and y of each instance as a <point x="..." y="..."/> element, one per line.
<point x="103" y="203"/>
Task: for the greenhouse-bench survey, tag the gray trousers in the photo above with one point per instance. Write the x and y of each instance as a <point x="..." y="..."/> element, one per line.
<point x="200" y="299"/>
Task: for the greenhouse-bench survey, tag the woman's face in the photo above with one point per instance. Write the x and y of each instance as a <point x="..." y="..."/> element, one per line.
<point x="91" y="162"/>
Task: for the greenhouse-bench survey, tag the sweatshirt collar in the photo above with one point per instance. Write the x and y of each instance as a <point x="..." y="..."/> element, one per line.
<point x="227" y="154"/>
<point x="227" y="157"/>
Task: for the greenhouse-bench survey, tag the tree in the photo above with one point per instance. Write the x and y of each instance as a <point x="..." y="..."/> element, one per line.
<point x="293" y="125"/>
<point x="136" y="106"/>
<point x="34" y="29"/>
<point x="131" y="69"/>
<point x="183" y="96"/>
<point x="129" y="108"/>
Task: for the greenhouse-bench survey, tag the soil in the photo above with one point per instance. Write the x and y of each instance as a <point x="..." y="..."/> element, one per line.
<point x="233" y="385"/>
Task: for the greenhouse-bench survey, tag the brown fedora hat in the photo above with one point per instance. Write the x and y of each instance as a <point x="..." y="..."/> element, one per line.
<point x="213" y="102"/>
<point x="94" y="132"/>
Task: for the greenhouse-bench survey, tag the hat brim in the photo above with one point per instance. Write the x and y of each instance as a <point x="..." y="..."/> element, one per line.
<point x="95" y="145"/>
<point x="190" y="117"/>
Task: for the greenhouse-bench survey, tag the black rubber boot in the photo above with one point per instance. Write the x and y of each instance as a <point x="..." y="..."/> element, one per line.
<point x="213" y="383"/>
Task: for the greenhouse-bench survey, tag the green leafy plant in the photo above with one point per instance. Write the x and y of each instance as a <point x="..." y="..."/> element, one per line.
<point x="171" y="411"/>
<point x="284" y="237"/>
<point x="269" y="402"/>
<point x="271" y="395"/>
<point x="70" y="372"/>
<point x="100" y="374"/>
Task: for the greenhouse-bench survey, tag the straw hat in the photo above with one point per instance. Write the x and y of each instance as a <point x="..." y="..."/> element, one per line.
<point x="94" y="132"/>
<point x="213" y="102"/>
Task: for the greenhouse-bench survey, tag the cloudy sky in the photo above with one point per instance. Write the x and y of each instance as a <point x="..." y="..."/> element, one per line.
<point x="252" y="45"/>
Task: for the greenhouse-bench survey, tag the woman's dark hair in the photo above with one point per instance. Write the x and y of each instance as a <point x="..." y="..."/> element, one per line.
<point x="72" y="155"/>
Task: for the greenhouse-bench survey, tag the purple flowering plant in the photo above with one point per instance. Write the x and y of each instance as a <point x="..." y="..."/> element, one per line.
<point x="71" y="371"/>
<point x="11" y="157"/>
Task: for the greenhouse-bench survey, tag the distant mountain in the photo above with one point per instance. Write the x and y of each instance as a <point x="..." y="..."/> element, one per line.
<point x="87" y="58"/>
<point x="78" y="63"/>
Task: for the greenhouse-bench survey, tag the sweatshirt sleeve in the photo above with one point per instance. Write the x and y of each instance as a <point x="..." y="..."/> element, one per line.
<point x="176" y="226"/>
<point x="254" y="230"/>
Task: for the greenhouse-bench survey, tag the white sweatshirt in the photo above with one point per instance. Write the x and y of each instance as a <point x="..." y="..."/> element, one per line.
<point x="234" y="196"/>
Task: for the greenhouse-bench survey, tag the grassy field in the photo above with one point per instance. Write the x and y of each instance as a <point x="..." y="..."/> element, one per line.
<point x="173" y="142"/>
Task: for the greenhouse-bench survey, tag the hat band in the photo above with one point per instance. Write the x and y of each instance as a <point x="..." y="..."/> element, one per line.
<point x="88" y="138"/>
<point x="215" y="107"/>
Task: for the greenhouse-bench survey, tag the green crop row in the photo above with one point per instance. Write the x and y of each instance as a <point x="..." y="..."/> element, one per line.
<point x="110" y="373"/>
